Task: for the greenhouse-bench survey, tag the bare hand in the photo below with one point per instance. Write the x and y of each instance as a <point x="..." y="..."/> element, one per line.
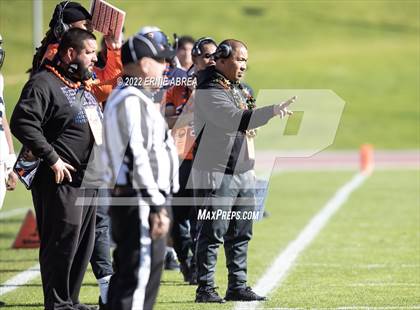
<point x="62" y="170"/>
<point x="159" y="224"/>
<point x="111" y="43"/>
<point x="11" y="181"/>
<point x="251" y="133"/>
<point x="282" y="110"/>
<point x="27" y="155"/>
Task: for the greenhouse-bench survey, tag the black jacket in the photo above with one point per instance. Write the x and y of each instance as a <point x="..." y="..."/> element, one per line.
<point x="48" y="120"/>
<point x="220" y="126"/>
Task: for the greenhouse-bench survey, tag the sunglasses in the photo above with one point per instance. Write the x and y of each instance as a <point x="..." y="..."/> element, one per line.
<point x="208" y="55"/>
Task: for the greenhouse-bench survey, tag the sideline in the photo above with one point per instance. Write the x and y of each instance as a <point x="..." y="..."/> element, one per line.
<point x="274" y="275"/>
<point x="14" y="212"/>
<point x="20" y="279"/>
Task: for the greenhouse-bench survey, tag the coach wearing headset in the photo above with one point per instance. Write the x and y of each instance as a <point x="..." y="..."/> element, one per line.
<point x="223" y="170"/>
<point x="67" y="15"/>
<point x="50" y="119"/>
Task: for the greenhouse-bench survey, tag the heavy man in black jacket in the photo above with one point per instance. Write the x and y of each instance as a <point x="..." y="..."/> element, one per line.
<point x="223" y="175"/>
<point x="59" y="120"/>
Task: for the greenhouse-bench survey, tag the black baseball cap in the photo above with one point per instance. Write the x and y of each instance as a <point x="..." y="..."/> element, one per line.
<point x="140" y="45"/>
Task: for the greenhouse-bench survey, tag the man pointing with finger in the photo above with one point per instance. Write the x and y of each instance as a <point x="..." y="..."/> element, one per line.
<point x="224" y="119"/>
<point x="59" y="120"/>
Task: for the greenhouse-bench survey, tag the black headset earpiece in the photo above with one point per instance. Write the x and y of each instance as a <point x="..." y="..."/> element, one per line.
<point x="60" y="27"/>
<point x="224" y="50"/>
<point x="196" y="50"/>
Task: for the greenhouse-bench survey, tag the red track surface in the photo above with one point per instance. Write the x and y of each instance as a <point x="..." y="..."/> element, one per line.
<point x="337" y="160"/>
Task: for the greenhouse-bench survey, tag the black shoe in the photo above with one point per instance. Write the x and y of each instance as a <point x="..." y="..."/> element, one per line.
<point x="193" y="278"/>
<point x="208" y="294"/>
<point x="186" y="271"/>
<point x="244" y="294"/>
<point x="84" y="307"/>
<point x="102" y="306"/>
<point x="171" y="262"/>
<point x="193" y="275"/>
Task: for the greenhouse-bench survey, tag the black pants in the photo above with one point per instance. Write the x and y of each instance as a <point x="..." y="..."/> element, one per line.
<point x="67" y="234"/>
<point x="183" y="230"/>
<point x="138" y="260"/>
<point x="101" y="257"/>
<point x="225" y="193"/>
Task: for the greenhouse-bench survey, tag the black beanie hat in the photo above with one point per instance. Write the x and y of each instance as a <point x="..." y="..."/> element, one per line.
<point x="73" y="12"/>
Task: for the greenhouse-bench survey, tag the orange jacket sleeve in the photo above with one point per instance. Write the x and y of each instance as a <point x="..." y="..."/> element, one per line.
<point x="107" y="77"/>
<point x="113" y="66"/>
<point x="101" y="90"/>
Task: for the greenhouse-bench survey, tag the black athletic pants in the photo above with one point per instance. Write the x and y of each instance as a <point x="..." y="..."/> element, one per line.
<point x="183" y="230"/>
<point x="138" y="260"/>
<point x="67" y="234"/>
<point x="101" y="256"/>
<point x="224" y="193"/>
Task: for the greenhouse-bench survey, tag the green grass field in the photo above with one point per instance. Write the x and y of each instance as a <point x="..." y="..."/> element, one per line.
<point x="367" y="52"/>
<point x="367" y="255"/>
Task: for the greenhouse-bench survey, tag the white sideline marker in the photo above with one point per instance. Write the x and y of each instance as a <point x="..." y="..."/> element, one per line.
<point x="284" y="261"/>
<point x="19" y="279"/>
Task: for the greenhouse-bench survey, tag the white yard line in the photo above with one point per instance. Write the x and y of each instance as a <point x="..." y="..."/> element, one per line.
<point x="25" y="276"/>
<point x="285" y="260"/>
<point x="12" y="213"/>
<point x="20" y="279"/>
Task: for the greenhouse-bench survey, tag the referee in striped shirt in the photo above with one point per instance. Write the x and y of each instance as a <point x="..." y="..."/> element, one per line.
<point x="142" y="159"/>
